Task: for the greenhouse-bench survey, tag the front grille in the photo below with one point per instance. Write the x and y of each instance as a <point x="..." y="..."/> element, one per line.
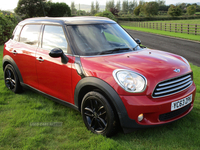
<point x="172" y="86"/>
<point x="174" y="114"/>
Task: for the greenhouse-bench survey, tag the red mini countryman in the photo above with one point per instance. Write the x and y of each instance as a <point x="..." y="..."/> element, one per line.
<point x="94" y="66"/>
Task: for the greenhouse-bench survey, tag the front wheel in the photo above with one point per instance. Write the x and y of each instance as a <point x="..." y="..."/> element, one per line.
<point x="97" y="114"/>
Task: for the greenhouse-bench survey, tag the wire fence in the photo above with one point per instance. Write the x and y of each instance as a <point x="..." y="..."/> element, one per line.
<point x="171" y="27"/>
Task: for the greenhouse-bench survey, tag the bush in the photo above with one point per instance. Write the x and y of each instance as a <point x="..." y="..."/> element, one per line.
<point x="191" y="10"/>
<point x="57" y="9"/>
<point x="107" y="14"/>
<point x="174" y="11"/>
<point x="7" y="25"/>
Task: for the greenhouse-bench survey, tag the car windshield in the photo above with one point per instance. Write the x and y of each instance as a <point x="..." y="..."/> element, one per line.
<point x="99" y="39"/>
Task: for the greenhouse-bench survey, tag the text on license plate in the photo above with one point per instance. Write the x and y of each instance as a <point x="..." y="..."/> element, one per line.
<point x="181" y="103"/>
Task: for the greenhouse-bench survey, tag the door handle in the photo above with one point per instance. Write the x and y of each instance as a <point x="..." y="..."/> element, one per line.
<point x="40" y="58"/>
<point x="14" y="52"/>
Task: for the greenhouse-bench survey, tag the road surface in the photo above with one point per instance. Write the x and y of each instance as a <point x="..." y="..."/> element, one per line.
<point x="188" y="49"/>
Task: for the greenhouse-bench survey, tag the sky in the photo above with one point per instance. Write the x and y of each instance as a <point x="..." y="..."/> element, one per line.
<point x="11" y="4"/>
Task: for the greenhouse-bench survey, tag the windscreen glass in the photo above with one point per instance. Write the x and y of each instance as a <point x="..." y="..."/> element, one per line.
<point x="101" y="39"/>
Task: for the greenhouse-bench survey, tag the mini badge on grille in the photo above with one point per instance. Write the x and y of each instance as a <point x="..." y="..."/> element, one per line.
<point x="177" y="70"/>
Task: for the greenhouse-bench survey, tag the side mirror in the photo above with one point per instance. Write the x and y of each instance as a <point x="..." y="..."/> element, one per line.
<point x="57" y="52"/>
<point x="138" y="41"/>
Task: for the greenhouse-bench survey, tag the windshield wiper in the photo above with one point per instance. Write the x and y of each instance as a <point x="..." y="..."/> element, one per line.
<point x="114" y="50"/>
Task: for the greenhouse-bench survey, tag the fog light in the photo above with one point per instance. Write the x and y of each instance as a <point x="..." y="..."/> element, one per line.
<point x="140" y="117"/>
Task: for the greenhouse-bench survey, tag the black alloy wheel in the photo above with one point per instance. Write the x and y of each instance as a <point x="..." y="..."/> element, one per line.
<point x="97" y="114"/>
<point x="11" y="79"/>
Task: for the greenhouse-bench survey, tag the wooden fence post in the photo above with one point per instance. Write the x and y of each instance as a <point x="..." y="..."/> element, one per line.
<point x="188" y="29"/>
<point x="175" y="28"/>
<point x="170" y="27"/>
<point x="181" y="28"/>
<point x="195" y="29"/>
<point x="160" y="26"/>
<point x="165" y="26"/>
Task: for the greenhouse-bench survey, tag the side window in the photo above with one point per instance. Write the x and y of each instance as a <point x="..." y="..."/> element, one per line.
<point x="16" y="33"/>
<point x="30" y="34"/>
<point x="53" y="37"/>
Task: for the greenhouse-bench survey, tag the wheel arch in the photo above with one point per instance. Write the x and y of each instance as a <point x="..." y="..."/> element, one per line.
<point x="8" y="60"/>
<point x="90" y="83"/>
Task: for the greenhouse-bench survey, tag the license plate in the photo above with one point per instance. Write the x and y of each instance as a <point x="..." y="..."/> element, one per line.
<point x="181" y="103"/>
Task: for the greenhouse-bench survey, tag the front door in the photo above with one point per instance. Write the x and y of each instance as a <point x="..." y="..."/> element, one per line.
<point x="54" y="77"/>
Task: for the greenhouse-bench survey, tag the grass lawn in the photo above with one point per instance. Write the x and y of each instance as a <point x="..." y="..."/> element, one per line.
<point x="167" y="33"/>
<point x="17" y="111"/>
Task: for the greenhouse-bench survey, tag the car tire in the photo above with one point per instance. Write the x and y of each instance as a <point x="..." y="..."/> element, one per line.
<point x="11" y="79"/>
<point x="98" y="115"/>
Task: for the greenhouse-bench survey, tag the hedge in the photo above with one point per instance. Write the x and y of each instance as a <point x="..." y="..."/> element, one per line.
<point x="7" y="25"/>
<point x="157" y="18"/>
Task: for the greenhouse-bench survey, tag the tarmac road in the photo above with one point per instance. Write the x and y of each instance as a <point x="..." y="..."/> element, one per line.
<point x="188" y="49"/>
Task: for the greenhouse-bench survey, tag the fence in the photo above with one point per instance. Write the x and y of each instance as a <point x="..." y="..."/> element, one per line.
<point x="171" y="27"/>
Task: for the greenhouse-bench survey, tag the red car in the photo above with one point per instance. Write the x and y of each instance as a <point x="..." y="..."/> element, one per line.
<point x="94" y="66"/>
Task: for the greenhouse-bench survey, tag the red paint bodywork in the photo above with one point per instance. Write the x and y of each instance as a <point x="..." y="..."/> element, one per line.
<point x="59" y="80"/>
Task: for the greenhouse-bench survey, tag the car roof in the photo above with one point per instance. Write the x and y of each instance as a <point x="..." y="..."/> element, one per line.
<point x="68" y="20"/>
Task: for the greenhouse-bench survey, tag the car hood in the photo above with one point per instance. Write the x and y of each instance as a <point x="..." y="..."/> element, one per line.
<point x="155" y="65"/>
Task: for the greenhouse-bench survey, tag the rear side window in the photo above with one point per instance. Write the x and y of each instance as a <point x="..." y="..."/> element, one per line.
<point x="30" y="34"/>
<point x="16" y="33"/>
<point x="54" y="37"/>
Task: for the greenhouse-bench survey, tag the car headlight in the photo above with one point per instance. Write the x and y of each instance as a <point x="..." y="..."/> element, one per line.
<point x="130" y="81"/>
<point x="185" y="60"/>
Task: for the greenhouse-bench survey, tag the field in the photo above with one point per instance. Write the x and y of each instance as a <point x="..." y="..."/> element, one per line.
<point x="159" y="27"/>
<point x="189" y="21"/>
<point x="18" y="111"/>
<point x="166" y="33"/>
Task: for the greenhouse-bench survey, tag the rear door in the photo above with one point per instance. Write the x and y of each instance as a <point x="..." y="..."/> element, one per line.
<point x="54" y="77"/>
<point x="23" y="49"/>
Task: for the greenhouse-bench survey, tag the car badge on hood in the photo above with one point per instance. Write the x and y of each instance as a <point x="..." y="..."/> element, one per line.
<point x="177" y="70"/>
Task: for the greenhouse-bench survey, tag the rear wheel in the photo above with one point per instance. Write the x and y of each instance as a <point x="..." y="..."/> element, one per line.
<point x="11" y="79"/>
<point x="97" y="114"/>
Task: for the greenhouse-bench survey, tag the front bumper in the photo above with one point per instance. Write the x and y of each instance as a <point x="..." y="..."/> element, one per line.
<point x="154" y="109"/>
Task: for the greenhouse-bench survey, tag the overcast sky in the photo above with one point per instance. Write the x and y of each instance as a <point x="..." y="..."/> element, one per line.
<point x="11" y="4"/>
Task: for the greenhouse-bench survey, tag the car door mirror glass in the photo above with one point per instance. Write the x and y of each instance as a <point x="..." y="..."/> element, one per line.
<point x="138" y="41"/>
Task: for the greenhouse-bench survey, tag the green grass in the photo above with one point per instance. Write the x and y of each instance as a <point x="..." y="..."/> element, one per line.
<point x="166" y="33"/>
<point x="17" y="111"/>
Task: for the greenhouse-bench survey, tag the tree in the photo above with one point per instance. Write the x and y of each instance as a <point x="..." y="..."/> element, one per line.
<point x="174" y="11"/>
<point x="107" y="14"/>
<point x="118" y="5"/>
<point x="125" y="6"/>
<point x="110" y="4"/>
<point x="63" y="8"/>
<point x="137" y="10"/>
<point x="30" y="8"/>
<point x="131" y="6"/>
<point x="150" y="8"/>
<point x="163" y="8"/>
<point x="191" y="9"/>
<point x="114" y="11"/>
<point x="73" y="9"/>
<point x="97" y="7"/>
<point x="81" y="13"/>
<point x="92" y="11"/>
<point x="161" y="2"/>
